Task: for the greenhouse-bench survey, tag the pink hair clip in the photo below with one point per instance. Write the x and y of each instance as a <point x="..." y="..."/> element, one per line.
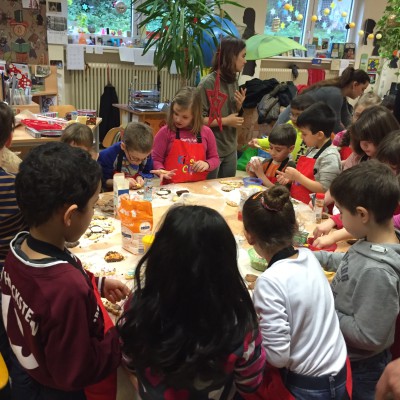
<point x="266" y="206"/>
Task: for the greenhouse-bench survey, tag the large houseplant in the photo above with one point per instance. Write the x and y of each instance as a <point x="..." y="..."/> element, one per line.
<point x="389" y="27"/>
<point x="184" y="26"/>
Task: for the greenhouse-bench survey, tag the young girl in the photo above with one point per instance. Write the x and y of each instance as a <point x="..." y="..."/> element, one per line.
<point x="298" y="322"/>
<point x="191" y="331"/>
<point x="228" y="60"/>
<point x="184" y="150"/>
<point x="366" y="134"/>
<point x="342" y="139"/>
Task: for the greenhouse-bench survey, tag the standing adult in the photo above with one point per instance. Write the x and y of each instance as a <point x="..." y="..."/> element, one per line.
<point x="228" y="61"/>
<point x="333" y="92"/>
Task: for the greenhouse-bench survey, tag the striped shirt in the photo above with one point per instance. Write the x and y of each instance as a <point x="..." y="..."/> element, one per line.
<point x="11" y="220"/>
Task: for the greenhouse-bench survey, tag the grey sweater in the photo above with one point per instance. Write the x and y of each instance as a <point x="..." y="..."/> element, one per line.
<point x="227" y="139"/>
<point x="366" y="292"/>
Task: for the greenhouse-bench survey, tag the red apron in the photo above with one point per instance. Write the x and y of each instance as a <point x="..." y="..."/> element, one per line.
<point x="106" y="389"/>
<point x="181" y="157"/>
<point x="281" y="167"/>
<point x="305" y="165"/>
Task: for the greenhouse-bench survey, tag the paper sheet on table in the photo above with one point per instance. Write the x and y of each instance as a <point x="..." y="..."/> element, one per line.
<point x="343" y="65"/>
<point x="146" y="59"/>
<point x="75" y="57"/>
<point x="126" y="54"/>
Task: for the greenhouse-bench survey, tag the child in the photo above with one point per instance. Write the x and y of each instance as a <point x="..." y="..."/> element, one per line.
<point x="185" y="149"/>
<point x="299" y="326"/>
<point x="282" y="140"/>
<point x="342" y="139"/>
<point x="228" y="60"/>
<point x="11" y="222"/>
<point x="191" y="329"/>
<point x="366" y="285"/>
<point x="366" y="134"/>
<point x="130" y="156"/>
<point x="316" y="170"/>
<point x="79" y="135"/>
<point x="297" y="106"/>
<point x="51" y="305"/>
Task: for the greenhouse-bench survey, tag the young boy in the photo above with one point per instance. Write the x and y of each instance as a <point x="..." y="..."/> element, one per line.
<point x="297" y="106"/>
<point x="51" y="305"/>
<point x="130" y="156"/>
<point x="79" y="135"/>
<point x="319" y="167"/>
<point x="282" y="140"/>
<point x="366" y="285"/>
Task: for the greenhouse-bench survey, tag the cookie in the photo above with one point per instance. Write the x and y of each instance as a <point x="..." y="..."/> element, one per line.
<point x="250" y="278"/>
<point x="234" y="184"/>
<point x="232" y="203"/>
<point x="129" y="274"/>
<point x="163" y="192"/>
<point x="227" y="188"/>
<point x="70" y="245"/>
<point x="180" y="192"/>
<point x="114" y="309"/>
<point x="113" y="256"/>
<point x="251" y="285"/>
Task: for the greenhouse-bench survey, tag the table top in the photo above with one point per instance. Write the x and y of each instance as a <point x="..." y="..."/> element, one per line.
<point x="22" y="138"/>
<point x="126" y="108"/>
<point x="209" y="193"/>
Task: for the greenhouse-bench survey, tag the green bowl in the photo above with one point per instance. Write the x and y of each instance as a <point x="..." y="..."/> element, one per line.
<point x="257" y="262"/>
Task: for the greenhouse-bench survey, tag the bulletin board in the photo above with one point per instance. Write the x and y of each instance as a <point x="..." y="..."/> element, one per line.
<point x="23" y="35"/>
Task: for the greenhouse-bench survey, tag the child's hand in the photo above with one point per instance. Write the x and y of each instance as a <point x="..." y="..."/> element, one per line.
<point x="324" y="241"/>
<point x="290" y="173"/>
<point x="282" y="180"/>
<point x="239" y="97"/>
<point x="163" y="174"/>
<point x="233" y="120"/>
<point x="115" y="290"/>
<point x="200" y="166"/>
<point x="257" y="168"/>
<point x="324" y="228"/>
<point x="136" y="183"/>
<point x="254" y="143"/>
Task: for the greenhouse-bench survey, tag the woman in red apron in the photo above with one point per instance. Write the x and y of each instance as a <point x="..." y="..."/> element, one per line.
<point x="184" y="150"/>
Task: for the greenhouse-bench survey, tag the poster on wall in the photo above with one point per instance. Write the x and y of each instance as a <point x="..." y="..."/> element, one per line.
<point x="23" y="38"/>
<point x="57" y="14"/>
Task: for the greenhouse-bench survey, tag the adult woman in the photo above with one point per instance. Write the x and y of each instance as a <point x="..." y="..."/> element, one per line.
<point x="228" y="61"/>
<point x="333" y="92"/>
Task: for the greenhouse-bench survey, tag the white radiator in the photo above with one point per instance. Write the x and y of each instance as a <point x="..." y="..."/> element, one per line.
<point x="285" y="74"/>
<point x="87" y="86"/>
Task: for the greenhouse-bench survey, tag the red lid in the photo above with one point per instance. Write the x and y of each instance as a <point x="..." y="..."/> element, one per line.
<point x="320" y="196"/>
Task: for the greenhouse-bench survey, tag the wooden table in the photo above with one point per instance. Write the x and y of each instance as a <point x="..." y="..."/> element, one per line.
<point x="23" y="141"/>
<point x="156" y="119"/>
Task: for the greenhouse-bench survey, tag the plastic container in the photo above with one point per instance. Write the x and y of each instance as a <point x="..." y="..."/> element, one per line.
<point x="257" y="262"/>
<point x="300" y="238"/>
<point x="249" y="181"/>
<point x="319" y="207"/>
<point x="148" y="189"/>
<point x="147" y="241"/>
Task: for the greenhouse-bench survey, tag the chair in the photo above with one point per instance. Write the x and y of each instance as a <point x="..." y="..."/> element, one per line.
<point x="62" y="110"/>
<point x="3" y="373"/>
<point x="114" y="135"/>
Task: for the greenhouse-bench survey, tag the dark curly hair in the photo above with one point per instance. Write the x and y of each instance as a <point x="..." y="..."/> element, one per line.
<point x="192" y="307"/>
<point x="53" y="175"/>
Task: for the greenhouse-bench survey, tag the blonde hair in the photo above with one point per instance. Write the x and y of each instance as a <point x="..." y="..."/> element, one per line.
<point x="187" y="98"/>
<point x="368" y="100"/>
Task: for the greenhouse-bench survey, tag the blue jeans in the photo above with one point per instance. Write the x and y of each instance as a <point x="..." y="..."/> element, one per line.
<point x="326" y="387"/>
<point x="366" y="374"/>
<point x="227" y="167"/>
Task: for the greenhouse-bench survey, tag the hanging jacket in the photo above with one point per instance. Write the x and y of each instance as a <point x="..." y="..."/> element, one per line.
<point x="108" y="113"/>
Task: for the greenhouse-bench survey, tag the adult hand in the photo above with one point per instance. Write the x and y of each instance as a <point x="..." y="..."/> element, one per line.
<point x="239" y="97"/>
<point x="388" y="387"/>
<point x="234" y="120"/>
<point x="114" y="290"/>
<point x="200" y="166"/>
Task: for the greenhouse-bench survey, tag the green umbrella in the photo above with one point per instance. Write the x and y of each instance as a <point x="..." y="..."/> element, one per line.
<point x="264" y="46"/>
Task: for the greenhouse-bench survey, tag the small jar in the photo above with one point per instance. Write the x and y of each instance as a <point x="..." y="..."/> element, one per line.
<point x="319" y="207"/>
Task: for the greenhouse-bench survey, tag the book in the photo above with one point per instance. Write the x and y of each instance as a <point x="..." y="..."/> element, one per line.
<point x="311" y="49"/>
<point x="373" y="64"/>
<point x="349" y="51"/>
<point x="336" y="50"/>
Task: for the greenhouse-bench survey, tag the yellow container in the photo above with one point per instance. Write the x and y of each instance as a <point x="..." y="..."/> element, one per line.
<point x="147" y="240"/>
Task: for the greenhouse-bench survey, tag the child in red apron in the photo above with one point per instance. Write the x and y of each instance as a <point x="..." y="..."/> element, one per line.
<point x="184" y="150"/>
<point x="315" y="171"/>
<point x="281" y="142"/>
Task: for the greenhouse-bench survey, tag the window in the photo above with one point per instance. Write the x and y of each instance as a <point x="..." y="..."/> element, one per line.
<point x="293" y="18"/>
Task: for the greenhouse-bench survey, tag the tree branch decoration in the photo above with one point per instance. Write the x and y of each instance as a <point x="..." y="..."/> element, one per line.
<point x="184" y="28"/>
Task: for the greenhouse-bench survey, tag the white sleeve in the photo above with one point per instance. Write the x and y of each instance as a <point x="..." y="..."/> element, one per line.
<point x="270" y="304"/>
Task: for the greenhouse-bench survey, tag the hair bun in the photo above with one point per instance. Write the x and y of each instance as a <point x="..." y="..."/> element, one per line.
<point x="276" y="197"/>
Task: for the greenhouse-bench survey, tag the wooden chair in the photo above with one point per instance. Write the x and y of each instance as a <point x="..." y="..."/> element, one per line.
<point x="113" y="136"/>
<point x="62" y="109"/>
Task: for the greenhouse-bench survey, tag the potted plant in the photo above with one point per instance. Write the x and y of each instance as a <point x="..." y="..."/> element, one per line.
<point x="389" y="27"/>
<point x="183" y="27"/>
